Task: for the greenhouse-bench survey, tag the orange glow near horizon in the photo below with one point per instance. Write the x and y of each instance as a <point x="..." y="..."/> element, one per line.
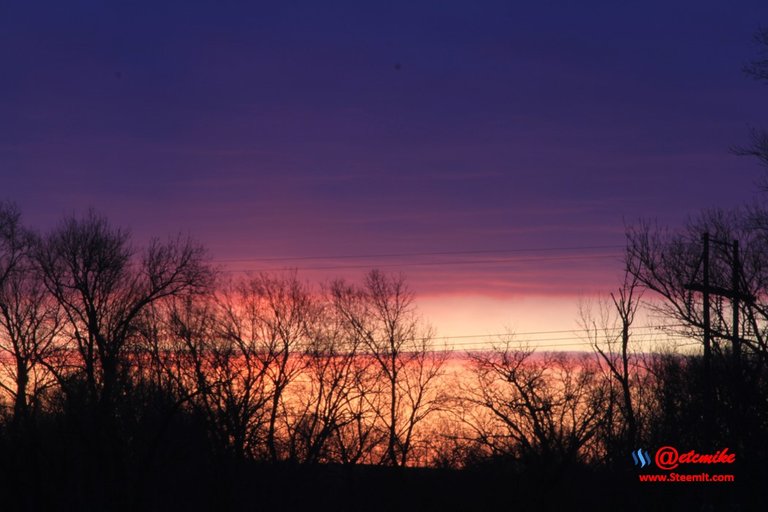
<point x="475" y="315"/>
<point x="474" y="305"/>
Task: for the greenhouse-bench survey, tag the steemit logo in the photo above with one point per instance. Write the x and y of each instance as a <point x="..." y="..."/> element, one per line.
<point x="641" y="458"/>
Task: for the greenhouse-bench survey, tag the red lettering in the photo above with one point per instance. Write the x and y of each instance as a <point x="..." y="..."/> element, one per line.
<point x="667" y="457"/>
<point x="727" y="458"/>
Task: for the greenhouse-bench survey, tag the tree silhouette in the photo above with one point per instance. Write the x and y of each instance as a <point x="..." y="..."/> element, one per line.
<point x="103" y="285"/>
<point x="667" y="262"/>
<point x="758" y="69"/>
<point x="541" y="409"/>
<point x="140" y="369"/>
<point x="331" y="417"/>
<point x="29" y="320"/>
<point x="608" y="326"/>
<point x="381" y="314"/>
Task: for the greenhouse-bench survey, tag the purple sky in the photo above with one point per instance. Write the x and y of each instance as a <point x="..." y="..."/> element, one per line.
<point x="359" y="128"/>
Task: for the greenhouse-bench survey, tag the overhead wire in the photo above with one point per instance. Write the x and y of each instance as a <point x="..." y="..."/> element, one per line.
<point x="562" y="343"/>
<point x="419" y="254"/>
<point x="573" y="253"/>
<point x="642" y="334"/>
<point x="434" y="263"/>
<point x="520" y="251"/>
<point x="659" y="327"/>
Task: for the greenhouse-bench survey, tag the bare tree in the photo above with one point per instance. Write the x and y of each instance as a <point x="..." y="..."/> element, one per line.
<point x="669" y="262"/>
<point x="609" y="330"/>
<point x="540" y="408"/>
<point x="758" y="69"/>
<point x="29" y="319"/>
<point x="102" y="285"/>
<point x="382" y="314"/>
<point x="286" y="312"/>
<point x="221" y="373"/>
<point x="268" y="318"/>
<point x="330" y="386"/>
<point x="358" y="436"/>
<point x="733" y="333"/>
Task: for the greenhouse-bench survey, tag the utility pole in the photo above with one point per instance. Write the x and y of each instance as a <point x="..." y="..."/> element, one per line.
<point x="734" y="293"/>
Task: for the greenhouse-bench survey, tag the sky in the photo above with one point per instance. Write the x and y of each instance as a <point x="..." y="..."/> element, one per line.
<point x="492" y="152"/>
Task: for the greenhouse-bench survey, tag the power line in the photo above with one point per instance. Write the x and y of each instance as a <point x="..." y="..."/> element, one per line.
<point x="540" y="346"/>
<point x="560" y="338"/>
<point x="419" y="254"/>
<point x="438" y="263"/>
<point x="562" y="331"/>
<point x="568" y="341"/>
<point x="562" y="341"/>
<point x="640" y="334"/>
<point x="576" y="344"/>
<point x="585" y="339"/>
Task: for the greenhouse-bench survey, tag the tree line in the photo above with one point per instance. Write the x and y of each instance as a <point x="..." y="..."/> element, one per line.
<point x="86" y="317"/>
<point x="127" y="372"/>
<point x="128" y="348"/>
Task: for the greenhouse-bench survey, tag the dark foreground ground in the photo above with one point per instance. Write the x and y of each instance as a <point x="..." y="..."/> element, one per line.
<point x="255" y="487"/>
